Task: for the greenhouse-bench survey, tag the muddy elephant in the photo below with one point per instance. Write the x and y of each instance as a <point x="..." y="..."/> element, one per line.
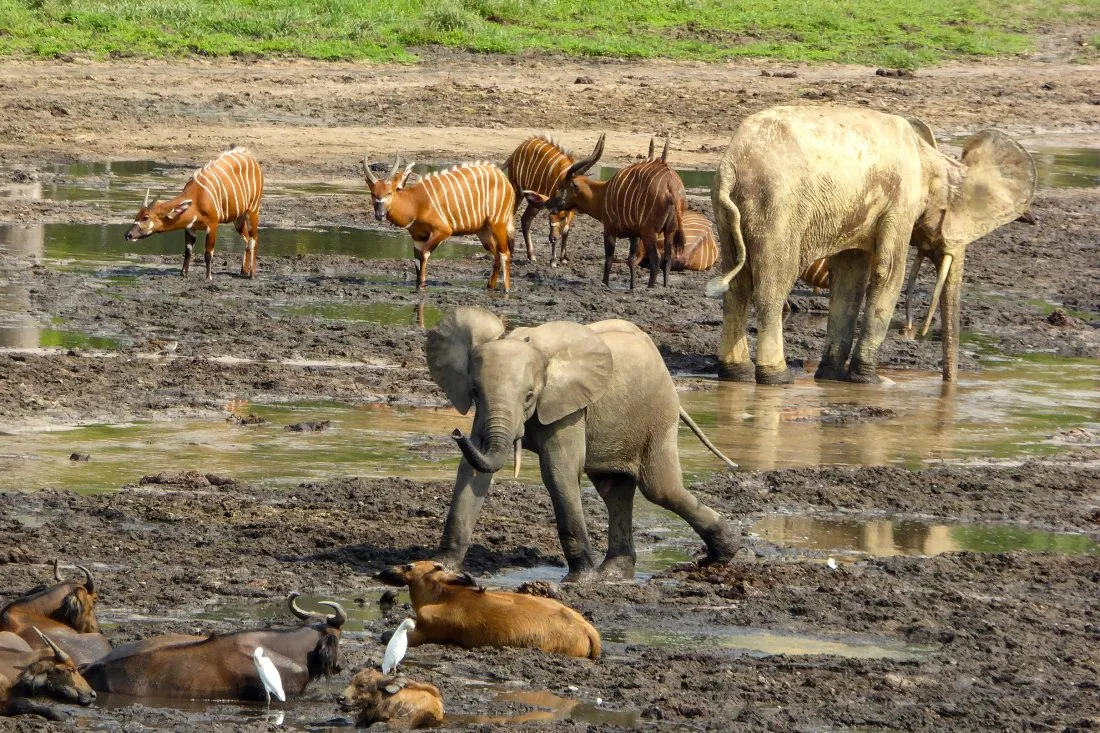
<point x="593" y="399"/>
<point x="856" y="186"/>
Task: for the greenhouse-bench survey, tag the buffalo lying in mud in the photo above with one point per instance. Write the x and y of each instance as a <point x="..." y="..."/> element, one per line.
<point x="47" y="672"/>
<point x="220" y="666"/>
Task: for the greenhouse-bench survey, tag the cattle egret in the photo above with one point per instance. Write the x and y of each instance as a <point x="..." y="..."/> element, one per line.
<point x="399" y="642"/>
<point x="269" y="676"/>
<point x="831" y="563"/>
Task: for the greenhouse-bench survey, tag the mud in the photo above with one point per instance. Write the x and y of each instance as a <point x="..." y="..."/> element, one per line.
<point x="932" y="620"/>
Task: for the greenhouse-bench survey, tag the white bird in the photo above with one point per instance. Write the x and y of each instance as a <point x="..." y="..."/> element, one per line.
<point x="831" y="563"/>
<point x="269" y="676"/>
<point x="399" y="642"/>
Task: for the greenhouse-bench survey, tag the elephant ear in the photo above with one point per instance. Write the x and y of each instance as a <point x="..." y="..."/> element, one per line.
<point x="449" y="346"/>
<point x="924" y="132"/>
<point x="997" y="186"/>
<point x="578" y="367"/>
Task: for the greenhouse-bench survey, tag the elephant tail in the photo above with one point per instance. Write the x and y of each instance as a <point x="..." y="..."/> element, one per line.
<point x="705" y="440"/>
<point x="728" y="218"/>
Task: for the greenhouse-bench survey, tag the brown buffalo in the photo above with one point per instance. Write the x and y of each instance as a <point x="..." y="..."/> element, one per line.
<point x="452" y="609"/>
<point x="391" y="699"/>
<point x="47" y="672"/>
<point x="220" y="666"/>
<point x="65" y="612"/>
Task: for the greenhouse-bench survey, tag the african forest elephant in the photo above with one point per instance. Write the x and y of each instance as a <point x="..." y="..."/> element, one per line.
<point x="856" y="186"/>
<point x="593" y="399"/>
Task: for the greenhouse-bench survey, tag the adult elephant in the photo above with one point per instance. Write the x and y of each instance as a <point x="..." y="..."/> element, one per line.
<point x="593" y="399"/>
<point x="856" y="186"/>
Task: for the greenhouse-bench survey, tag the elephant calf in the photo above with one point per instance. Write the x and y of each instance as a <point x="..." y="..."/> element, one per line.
<point x="593" y="400"/>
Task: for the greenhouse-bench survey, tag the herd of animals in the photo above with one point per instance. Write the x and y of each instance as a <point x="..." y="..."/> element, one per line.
<point x="834" y="195"/>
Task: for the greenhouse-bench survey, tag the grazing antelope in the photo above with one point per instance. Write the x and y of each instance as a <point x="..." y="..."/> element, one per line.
<point x="227" y="189"/>
<point x="472" y="198"/>
<point x="642" y="201"/>
<point x="535" y="168"/>
<point x="452" y="609"/>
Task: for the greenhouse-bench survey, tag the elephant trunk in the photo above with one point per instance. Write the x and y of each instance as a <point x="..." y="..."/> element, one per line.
<point x="949" y="317"/>
<point x="482" y="463"/>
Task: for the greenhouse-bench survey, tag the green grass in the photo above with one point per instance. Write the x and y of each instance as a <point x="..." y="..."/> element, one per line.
<point x="886" y="32"/>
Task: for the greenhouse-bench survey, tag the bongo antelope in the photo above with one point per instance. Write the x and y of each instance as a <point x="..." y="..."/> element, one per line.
<point x="642" y="201"/>
<point x="535" y="168"/>
<point x="472" y="198"/>
<point x="227" y="189"/>
<point x="700" y="245"/>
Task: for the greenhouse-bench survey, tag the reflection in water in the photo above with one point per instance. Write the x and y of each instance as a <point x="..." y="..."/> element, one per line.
<point x="1009" y="409"/>
<point x="885" y="538"/>
<point x="389" y="314"/>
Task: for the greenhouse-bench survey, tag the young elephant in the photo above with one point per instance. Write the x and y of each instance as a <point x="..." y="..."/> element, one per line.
<point x="801" y="183"/>
<point x="593" y="399"/>
<point x="452" y="609"/>
<point x="395" y="700"/>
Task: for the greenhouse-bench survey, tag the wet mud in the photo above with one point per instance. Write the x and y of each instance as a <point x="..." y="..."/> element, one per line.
<point x="963" y="525"/>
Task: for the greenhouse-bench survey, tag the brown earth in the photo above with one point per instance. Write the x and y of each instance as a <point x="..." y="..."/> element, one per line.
<point x="1007" y="640"/>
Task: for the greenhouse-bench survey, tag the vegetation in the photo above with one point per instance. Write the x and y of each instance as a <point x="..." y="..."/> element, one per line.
<point x="885" y="32"/>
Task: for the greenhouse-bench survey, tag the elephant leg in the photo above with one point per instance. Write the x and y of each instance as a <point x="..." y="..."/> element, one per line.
<point x="469" y="494"/>
<point x="848" y="273"/>
<point x="734" y="362"/>
<point x="561" y="450"/>
<point x="772" y="283"/>
<point x="883" y="291"/>
<point x="617" y="492"/>
<point x="662" y="482"/>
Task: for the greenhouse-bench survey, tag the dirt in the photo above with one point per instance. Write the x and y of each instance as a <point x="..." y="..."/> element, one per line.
<point x="1005" y="640"/>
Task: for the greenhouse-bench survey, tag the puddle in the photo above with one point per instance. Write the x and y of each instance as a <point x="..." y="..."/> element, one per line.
<point x="390" y="314"/>
<point x="106" y="243"/>
<point x="548" y="706"/>
<point x="31" y="336"/>
<point x="763" y="642"/>
<point x="886" y="538"/>
<point x="1007" y="411"/>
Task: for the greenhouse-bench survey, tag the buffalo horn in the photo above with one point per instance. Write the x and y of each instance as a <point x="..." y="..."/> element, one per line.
<point x="56" y="570"/>
<point x="89" y="584"/>
<point x="582" y="166"/>
<point x="146" y="204"/>
<point x="58" y="653"/>
<point x="295" y="609"/>
<point x="366" y="171"/>
<point x="337" y="619"/>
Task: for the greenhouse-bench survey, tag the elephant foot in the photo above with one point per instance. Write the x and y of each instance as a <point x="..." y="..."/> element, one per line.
<point x="736" y="371"/>
<point x="620" y="567"/>
<point x="450" y="559"/>
<point x="861" y="373"/>
<point x="580" y="575"/>
<point x="721" y="548"/>
<point x="773" y="375"/>
<point x="829" y="373"/>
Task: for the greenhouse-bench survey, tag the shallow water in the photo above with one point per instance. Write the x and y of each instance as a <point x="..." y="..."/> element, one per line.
<point x="886" y="537"/>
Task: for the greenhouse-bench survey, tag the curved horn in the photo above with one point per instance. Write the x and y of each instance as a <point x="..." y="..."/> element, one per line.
<point x="652" y="144"/>
<point x="58" y="653"/>
<point x="146" y="204"/>
<point x="337" y="619"/>
<point x="56" y="570"/>
<point x="89" y="584"/>
<point x="664" y="155"/>
<point x="945" y="267"/>
<point x="366" y="171"/>
<point x="396" y="165"/>
<point x="296" y="609"/>
<point x="582" y="166"/>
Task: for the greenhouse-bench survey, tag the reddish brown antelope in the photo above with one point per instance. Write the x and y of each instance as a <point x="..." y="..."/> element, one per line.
<point x="535" y="168"/>
<point x="472" y="198"/>
<point x="227" y="189"/>
<point x="700" y="245"/>
<point x="641" y="201"/>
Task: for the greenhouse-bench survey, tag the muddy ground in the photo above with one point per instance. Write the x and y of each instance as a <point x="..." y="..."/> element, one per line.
<point x="1007" y="640"/>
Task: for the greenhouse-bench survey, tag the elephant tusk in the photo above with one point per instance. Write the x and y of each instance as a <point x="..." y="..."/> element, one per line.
<point x="945" y="267"/>
<point x="517" y="457"/>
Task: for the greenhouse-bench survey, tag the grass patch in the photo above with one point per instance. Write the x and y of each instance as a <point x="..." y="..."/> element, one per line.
<point x="885" y="32"/>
